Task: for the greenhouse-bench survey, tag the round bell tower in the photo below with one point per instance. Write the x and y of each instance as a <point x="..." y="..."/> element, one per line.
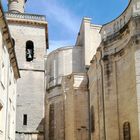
<point x="16" y="6"/>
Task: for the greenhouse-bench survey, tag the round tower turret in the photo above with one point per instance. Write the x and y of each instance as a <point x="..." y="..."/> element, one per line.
<point x="16" y="6"/>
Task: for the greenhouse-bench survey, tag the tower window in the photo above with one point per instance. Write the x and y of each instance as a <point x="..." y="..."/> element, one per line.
<point x="29" y="51"/>
<point x="126" y="131"/>
<point x="25" y="119"/>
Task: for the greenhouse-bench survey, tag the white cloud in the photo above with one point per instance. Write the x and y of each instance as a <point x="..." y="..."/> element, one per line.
<point x="61" y="14"/>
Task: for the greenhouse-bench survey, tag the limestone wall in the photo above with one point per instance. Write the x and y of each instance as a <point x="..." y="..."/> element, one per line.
<point x="88" y="39"/>
<point x="67" y="109"/>
<point x="54" y="114"/>
<point x="7" y="94"/>
<point x="62" y="62"/>
<point x="31" y="86"/>
<point x="76" y="107"/>
<point x="62" y="111"/>
<point x="114" y="87"/>
<point x="9" y="73"/>
<point x="30" y="101"/>
<point x="22" y="33"/>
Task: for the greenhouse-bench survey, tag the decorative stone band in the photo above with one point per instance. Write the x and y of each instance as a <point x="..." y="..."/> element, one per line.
<point x="26" y="16"/>
<point x="132" y="10"/>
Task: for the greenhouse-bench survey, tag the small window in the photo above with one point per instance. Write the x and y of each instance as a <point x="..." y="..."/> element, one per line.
<point x="114" y="27"/>
<point x="29" y="51"/>
<point x="126" y="131"/>
<point x="1" y="116"/>
<point x="51" y="121"/>
<point x="1" y="106"/>
<point x="92" y="119"/>
<point x="13" y="41"/>
<point x="25" y="119"/>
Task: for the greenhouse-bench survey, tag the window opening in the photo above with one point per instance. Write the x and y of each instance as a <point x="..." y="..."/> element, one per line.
<point x="25" y="119"/>
<point x="29" y="51"/>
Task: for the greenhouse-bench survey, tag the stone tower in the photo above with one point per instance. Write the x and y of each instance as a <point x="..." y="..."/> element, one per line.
<point x="29" y="32"/>
<point x="16" y="6"/>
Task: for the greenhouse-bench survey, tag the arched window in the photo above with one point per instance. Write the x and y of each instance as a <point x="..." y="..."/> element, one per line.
<point x="29" y="51"/>
<point x="126" y="131"/>
<point x="51" y="121"/>
<point x="13" y="41"/>
<point x="121" y="23"/>
<point x="92" y="119"/>
<point x="114" y="27"/>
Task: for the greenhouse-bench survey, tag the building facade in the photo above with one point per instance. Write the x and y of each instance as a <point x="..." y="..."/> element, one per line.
<point x="30" y="35"/>
<point x="114" y="79"/>
<point x="9" y="73"/>
<point x="90" y="90"/>
<point x="88" y="39"/>
<point x="67" y="106"/>
<point x="76" y="118"/>
<point x="60" y="63"/>
<point x="109" y="91"/>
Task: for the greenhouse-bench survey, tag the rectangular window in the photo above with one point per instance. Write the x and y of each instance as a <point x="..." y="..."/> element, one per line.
<point x="1" y="119"/>
<point x="92" y="119"/>
<point x="25" y="119"/>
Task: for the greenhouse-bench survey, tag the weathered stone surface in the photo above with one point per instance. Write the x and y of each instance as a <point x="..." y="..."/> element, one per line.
<point x="31" y="86"/>
<point x="114" y="82"/>
<point x="9" y="73"/>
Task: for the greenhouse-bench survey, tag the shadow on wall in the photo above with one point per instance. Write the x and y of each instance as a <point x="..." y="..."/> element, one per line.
<point x="40" y="129"/>
<point x="77" y="60"/>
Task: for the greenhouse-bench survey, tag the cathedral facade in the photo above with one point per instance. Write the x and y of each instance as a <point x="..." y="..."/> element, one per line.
<point x="67" y="96"/>
<point x="114" y="79"/>
<point x="89" y="91"/>
<point x="101" y="101"/>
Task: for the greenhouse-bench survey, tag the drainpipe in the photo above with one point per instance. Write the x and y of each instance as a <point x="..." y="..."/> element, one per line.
<point x="89" y="132"/>
<point x="97" y="92"/>
<point x="102" y="76"/>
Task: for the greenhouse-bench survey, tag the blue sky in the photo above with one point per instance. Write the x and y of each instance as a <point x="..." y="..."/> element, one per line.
<point x="64" y="16"/>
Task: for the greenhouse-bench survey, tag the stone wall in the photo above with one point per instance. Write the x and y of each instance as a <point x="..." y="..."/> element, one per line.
<point x="67" y="109"/>
<point x="54" y="114"/>
<point x="7" y="92"/>
<point x="88" y="39"/>
<point x="62" y="62"/>
<point x="76" y="117"/>
<point x="114" y="87"/>
<point x="31" y="86"/>
<point x="7" y="95"/>
<point x="62" y="111"/>
<point x="9" y="73"/>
